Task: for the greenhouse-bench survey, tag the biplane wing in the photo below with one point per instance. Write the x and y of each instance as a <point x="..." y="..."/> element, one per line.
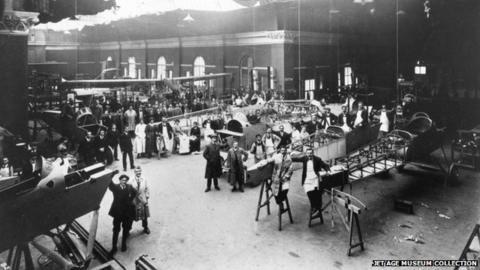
<point x="128" y="82"/>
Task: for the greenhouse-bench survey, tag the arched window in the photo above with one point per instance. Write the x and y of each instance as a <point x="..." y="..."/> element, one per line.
<point x="199" y="69"/>
<point x="132" y="68"/>
<point x="161" y="68"/>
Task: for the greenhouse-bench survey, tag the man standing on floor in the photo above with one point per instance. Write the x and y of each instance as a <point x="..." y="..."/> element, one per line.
<point x="113" y="138"/>
<point x="126" y="147"/>
<point x="213" y="169"/>
<point x="142" y="210"/>
<point x="285" y="138"/>
<point x="312" y="165"/>
<point x="122" y="211"/>
<point x="236" y="157"/>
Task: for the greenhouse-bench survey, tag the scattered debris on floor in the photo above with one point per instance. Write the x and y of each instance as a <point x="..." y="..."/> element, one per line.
<point x="424" y="205"/>
<point x="444" y="216"/>
<point x="415" y="238"/>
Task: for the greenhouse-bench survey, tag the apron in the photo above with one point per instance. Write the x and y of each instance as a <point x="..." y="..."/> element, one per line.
<point x="358" y="118"/>
<point x="269" y="146"/>
<point x="385" y="123"/>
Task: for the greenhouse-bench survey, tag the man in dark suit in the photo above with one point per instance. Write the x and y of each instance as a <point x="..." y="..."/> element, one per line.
<point x="113" y="138"/>
<point x="165" y="127"/>
<point x="312" y="165"/>
<point x="328" y="119"/>
<point x="361" y="118"/>
<point x="122" y="211"/>
<point x="235" y="158"/>
<point x="126" y="147"/>
<point x="101" y="146"/>
<point x="214" y="163"/>
<point x="86" y="149"/>
<point x="344" y="118"/>
<point x="285" y="138"/>
<point x="313" y="126"/>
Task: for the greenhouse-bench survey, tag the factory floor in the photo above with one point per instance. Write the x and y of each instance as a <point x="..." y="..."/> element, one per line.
<point x="191" y="229"/>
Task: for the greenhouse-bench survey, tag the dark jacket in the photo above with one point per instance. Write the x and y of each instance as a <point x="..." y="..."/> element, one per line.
<point x="126" y="143"/>
<point x="100" y="143"/>
<point x="241" y="156"/>
<point x="214" y="161"/>
<point x="113" y="138"/>
<point x="122" y="205"/>
<point x="285" y="139"/>
<point x="313" y="126"/>
<point x="86" y="149"/>
<point x="318" y="165"/>
<point x="364" y="118"/>
<point x="169" y="130"/>
<point x="195" y="131"/>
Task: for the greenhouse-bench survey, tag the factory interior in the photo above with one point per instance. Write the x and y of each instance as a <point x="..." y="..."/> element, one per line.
<point x="239" y="134"/>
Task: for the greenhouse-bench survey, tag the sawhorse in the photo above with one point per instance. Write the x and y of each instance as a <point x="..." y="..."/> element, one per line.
<point x="353" y="208"/>
<point x="470" y="252"/>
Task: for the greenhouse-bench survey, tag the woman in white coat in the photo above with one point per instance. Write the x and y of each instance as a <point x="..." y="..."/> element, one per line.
<point x="140" y="139"/>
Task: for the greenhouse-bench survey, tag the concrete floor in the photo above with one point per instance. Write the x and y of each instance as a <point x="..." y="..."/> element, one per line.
<point x="216" y="230"/>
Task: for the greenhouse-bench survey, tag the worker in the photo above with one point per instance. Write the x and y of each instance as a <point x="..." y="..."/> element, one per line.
<point x="130" y="116"/>
<point x="258" y="149"/>
<point x="101" y="146"/>
<point x="361" y="118"/>
<point x="113" y="139"/>
<point x="142" y="210"/>
<point x="281" y="174"/>
<point x="122" y="211"/>
<point x="235" y="158"/>
<point x="195" y="133"/>
<point x="86" y="149"/>
<point x="140" y="138"/>
<point x="344" y="119"/>
<point x="6" y="169"/>
<point x="312" y="165"/>
<point x="285" y="138"/>
<point x="126" y="147"/>
<point x="150" y="138"/>
<point x="270" y="141"/>
<point x="213" y="169"/>
<point x="328" y="118"/>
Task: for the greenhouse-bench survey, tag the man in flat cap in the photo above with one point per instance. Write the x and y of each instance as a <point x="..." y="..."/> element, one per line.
<point x="122" y="210"/>
<point x="213" y="170"/>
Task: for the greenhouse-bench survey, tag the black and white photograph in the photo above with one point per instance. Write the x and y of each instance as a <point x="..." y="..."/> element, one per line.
<point x="239" y="134"/>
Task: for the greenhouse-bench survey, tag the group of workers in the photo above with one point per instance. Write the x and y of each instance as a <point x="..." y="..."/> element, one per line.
<point x="147" y="139"/>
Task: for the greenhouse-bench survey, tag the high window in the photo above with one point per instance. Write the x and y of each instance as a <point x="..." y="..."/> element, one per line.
<point x="132" y="69"/>
<point x="161" y="68"/>
<point x="309" y="88"/>
<point x="348" y="76"/>
<point x="199" y="69"/>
